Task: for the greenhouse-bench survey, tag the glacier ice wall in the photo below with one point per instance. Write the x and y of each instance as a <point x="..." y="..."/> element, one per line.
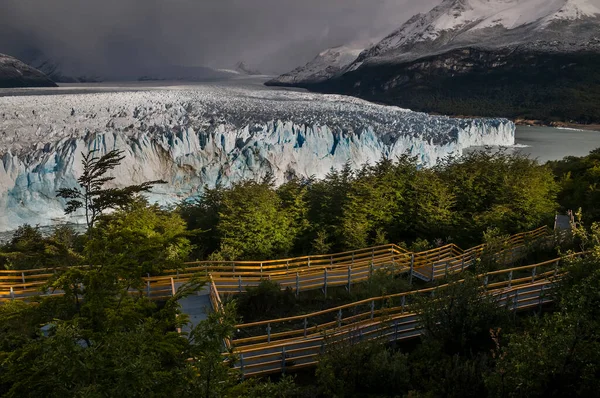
<point x="207" y="135"/>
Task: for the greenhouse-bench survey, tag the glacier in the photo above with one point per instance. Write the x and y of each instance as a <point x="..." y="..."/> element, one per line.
<point x="192" y="136"/>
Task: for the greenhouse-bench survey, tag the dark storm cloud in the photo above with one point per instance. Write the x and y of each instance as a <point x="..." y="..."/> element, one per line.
<point x="116" y="35"/>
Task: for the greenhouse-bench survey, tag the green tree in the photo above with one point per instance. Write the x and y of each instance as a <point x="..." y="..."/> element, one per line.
<point x="363" y="369"/>
<point x="460" y="317"/>
<point x="510" y="192"/>
<point x="253" y="222"/>
<point x="202" y="216"/>
<point x="559" y="354"/>
<point x="29" y="249"/>
<point x="92" y="195"/>
<point x="139" y="239"/>
<point x="376" y="204"/>
<point x="294" y="203"/>
<point x="579" y="179"/>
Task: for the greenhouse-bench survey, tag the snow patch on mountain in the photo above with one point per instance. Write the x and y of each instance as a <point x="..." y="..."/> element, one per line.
<point x="484" y="23"/>
<point x="327" y="64"/>
<point x="14" y="73"/>
<point x="208" y="135"/>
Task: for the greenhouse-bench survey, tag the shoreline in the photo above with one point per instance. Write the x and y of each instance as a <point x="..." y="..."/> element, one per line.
<point x="559" y="125"/>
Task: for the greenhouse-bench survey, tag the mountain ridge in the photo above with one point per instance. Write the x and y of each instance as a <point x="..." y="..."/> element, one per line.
<point x="418" y="65"/>
<point x="15" y="73"/>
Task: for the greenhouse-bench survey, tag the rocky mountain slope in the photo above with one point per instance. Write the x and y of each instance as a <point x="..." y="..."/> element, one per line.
<point x="59" y="71"/>
<point x="243" y="69"/>
<point x="14" y="73"/>
<point x="327" y="64"/>
<point x="535" y="59"/>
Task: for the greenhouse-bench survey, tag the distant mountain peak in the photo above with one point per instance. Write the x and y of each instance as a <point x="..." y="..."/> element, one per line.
<point x="486" y="24"/>
<point x="327" y="64"/>
<point x="14" y="73"/>
<point x="242" y="68"/>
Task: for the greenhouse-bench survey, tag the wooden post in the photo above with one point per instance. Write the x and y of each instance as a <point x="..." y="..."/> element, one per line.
<point x="371" y="269"/>
<point x="287" y="265"/>
<point x="432" y="272"/>
<point x="12" y="293"/>
<point x="510" y="278"/>
<point x="269" y="332"/>
<point x="516" y="304"/>
<point x="412" y="268"/>
<point x="148" y="285"/>
<point x="462" y="264"/>
<point x="339" y="318"/>
<point x="305" y="325"/>
<point x="395" y="330"/>
<point x="541" y="300"/>
<point x="23" y="277"/>
<point x="331" y="260"/>
<point x="297" y="284"/>
<point x="325" y="281"/>
<point x="242" y="364"/>
<point x="403" y="303"/>
<point x="533" y="272"/>
<point x="352" y="258"/>
<point x="308" y="261"/>
<point x="485" y="281"/>
<point x="349" y="277"/>
<point x="240" y="283"/>
<point x="372" y="309"/>
<point x="447" y="265"/>
<point x="261" y="268"/>
<point x="283" y="360"/>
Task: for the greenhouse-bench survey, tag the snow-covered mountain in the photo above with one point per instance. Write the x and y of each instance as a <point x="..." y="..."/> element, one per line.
<point x="243" y="69"/>
<point x="541" y="24"/>
<point x="327" y="64"/>
<point x="208" y="134"/>
<point x="55" y="69"/>
<point x="533" y="59"/>
<point x="14" y="73"/>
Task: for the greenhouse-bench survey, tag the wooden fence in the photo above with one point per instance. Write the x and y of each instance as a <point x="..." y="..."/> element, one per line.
<point x="300" y="274"/>
<point x="296" y="342"/>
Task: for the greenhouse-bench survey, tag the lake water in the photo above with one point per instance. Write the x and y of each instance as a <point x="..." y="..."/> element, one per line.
<point x="548" y="143"/>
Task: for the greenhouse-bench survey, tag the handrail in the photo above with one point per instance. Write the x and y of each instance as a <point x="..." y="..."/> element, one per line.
<point x="303" y="261"/>
<point x="337" y="309"/>
<point x="257" y="357"/>
<point x="312" y="277"/>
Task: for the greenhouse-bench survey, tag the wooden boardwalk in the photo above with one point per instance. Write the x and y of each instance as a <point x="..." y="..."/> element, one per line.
<point x="300" y="273"/>
<point x="287" y="344"/>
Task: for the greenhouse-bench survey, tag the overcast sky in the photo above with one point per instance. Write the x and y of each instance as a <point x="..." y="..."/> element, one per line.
<point x="273" y="35"/>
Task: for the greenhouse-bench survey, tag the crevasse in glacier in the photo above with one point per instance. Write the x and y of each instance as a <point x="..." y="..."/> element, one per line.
<point x="207" y="135"/>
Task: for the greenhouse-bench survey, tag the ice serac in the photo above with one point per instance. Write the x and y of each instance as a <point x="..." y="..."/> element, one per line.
<point x="208" y="135"/>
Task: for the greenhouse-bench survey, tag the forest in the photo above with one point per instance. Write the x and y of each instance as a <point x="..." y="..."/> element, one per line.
<point x="98" y="340"/>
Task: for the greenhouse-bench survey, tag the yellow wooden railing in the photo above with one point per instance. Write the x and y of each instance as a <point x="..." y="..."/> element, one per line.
<point x="300" y="273"/>
<point x="300" y="342"/>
